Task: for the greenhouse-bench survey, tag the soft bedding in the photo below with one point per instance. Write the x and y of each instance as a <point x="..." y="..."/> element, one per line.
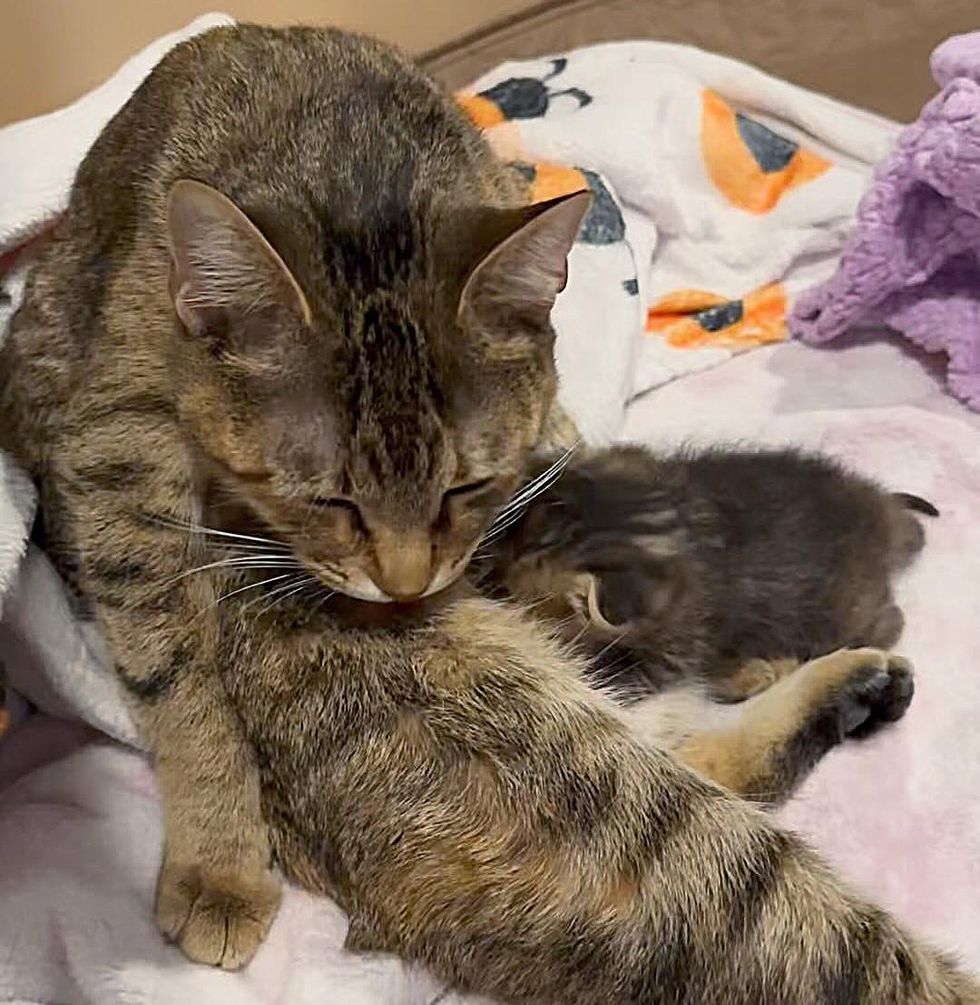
<point x="79" y="816"/>
<point x="912" y="260"/>
<point x="897" y="814"/>
<point x="80" y="832"/>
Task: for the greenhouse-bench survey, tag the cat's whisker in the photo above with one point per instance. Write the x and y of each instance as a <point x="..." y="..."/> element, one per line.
<point x="192" y="528"/>
<point x="245" y="549"/>
<point x="615" y="669"/>
<point x="241" y="589"/>
<point x="284" y="592"/>
<point x="502" y="522"/>
<point x="291" y="581"/>
<point x="532" y="605"/>
<point x="515" y="508"/>
<point x="609" y="645"/>
<point x="557" y="626"/>
<point x="529" y="490"/>
<point x="557" y="464"/>
<point x="497" y="528"/>
<point x="542" y="476"/>
<point x="319" y="604"/>
<point x="576" y="638"/>
<point x="257" y="562"/>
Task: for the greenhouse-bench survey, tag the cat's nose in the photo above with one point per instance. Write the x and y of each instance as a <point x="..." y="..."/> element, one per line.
<point x="404" y="564"/>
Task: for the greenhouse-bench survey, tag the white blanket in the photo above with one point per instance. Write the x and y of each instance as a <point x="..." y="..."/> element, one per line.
<point x="737" y="191"/>
<point x="80" y="829"/>
<point x="79" y="820"/>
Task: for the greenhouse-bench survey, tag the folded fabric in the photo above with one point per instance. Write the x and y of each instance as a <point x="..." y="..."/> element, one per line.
<point x="733" y="190"/>
<point x="746" y="186"/>
<point x="913" y="261"/>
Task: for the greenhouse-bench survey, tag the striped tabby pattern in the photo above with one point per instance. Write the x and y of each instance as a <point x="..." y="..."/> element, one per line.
<point x="289" y="349"/>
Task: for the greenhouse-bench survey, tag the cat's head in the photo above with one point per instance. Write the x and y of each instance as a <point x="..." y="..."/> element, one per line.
<point x="374" y="417"/>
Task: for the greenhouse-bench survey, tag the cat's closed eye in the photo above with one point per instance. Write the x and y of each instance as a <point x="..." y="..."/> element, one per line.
<point x="335" y="502"/>
<point x="468" y="489"/>
<point x="347" y="515"/>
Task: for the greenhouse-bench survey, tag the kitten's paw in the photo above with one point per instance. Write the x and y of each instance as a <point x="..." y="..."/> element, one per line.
<point x="751" y="678"/>
<point x="878" y="690"/>
<point x="218" y="917"/>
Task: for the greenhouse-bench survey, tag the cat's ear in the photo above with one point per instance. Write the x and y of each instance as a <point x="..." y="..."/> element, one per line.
<point x="222" y="265"/>
<point x="528" y="268"/>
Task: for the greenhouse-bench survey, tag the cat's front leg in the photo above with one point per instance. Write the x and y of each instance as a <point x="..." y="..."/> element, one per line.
<point x="216" y="894"/>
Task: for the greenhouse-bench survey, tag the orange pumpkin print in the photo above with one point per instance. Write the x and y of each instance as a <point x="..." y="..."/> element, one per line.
<point x="752" y="166"/>
<point x="696" y="319"/>
<point x="481" y="111"/>
<point x="554" y="180"/>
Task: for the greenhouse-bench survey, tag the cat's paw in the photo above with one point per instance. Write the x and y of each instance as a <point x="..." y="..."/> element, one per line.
<point x="878" y="690"/>
<point x="218" y="917"/>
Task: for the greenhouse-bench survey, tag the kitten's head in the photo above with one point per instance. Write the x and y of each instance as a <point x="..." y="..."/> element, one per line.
<point x="374" y="401"/>
<point x="600" y="552"/>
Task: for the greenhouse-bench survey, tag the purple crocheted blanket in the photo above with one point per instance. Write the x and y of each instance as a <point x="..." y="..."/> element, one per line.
<point x="913" y="260"/>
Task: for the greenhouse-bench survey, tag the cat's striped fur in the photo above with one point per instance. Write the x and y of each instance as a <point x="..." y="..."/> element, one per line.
<point x="442" y="769"/>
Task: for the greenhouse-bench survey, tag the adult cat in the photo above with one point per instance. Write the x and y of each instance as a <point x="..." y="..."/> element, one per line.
<point x="294" y="299"/>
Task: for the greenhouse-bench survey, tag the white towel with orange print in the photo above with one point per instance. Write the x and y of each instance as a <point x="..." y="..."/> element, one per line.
<point x="736" y="190"/>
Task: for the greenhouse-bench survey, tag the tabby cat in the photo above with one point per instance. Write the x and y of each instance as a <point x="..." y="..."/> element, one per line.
<point x="732" y="566"/>
<point x="296" y="308"/>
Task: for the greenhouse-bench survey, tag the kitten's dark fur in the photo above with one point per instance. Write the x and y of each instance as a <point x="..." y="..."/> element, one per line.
<point x="295" y="295"/>
<point x="733" y="566"/>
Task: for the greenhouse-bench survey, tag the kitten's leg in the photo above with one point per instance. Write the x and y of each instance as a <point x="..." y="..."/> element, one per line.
<point x="764" y="748"/>
<point x="750" y="678"/>
<point x="886" y="628"/>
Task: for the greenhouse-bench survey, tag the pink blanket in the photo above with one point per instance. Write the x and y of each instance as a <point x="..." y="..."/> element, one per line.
<point x="898" y="814"/>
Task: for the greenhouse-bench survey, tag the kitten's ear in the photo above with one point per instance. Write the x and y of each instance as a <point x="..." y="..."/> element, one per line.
<point x="584" y="598"/>
<point x="528" y="268"/>
<point x="222" y="265"/>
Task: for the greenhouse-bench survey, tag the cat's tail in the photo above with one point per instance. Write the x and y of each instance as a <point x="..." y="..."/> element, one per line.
<point x="915" y="503"/>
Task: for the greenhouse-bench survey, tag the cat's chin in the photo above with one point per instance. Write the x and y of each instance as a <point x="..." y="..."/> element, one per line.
<point x="362" y="587"/>
<point x="370" y="592"/>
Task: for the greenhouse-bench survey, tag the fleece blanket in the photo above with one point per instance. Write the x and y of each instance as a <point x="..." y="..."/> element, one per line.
<point x="59" y="662"/>
<point x="718" y="191"/>
<point x="913" y="260"/>
<point x="742" y="186"/>
<point x="80" y="833"/>
<point x="79" y="818"/>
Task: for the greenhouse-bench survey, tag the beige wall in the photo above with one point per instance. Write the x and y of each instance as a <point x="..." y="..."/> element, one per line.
<point x="52" y="51"/>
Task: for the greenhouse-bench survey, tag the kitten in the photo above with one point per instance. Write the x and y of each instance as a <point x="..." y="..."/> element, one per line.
<point x="296" y="308"/>
<point x="731" y="566"/>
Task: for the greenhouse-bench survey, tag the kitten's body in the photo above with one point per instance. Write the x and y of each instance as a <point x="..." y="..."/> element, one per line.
<point x="343" y="367"/>
<point x="732" y="566"/>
